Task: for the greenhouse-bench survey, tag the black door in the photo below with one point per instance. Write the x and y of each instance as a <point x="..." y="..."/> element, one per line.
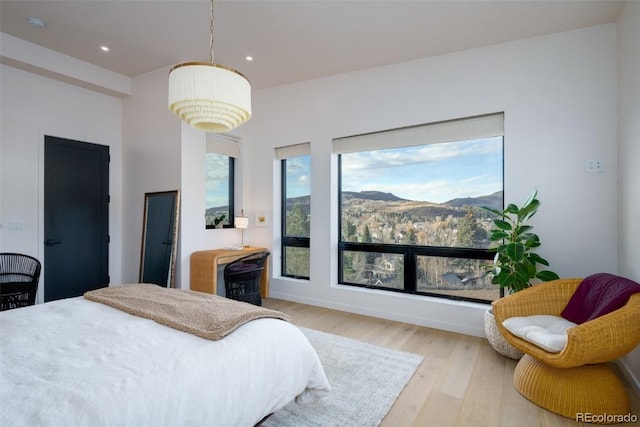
<point x="76" y="217"/>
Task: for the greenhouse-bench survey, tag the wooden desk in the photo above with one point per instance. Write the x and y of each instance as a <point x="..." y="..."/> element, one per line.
<point x="204" y="269"/>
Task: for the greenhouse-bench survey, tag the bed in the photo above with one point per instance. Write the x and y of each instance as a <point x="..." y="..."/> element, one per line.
<point x="79" y="362"/>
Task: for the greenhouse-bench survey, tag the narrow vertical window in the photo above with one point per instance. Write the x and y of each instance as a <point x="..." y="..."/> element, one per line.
<point x="296" y="210"/>
<point x="220" y="158"/>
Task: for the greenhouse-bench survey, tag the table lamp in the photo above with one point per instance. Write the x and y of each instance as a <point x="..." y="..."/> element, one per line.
<point x="242" y="222"/>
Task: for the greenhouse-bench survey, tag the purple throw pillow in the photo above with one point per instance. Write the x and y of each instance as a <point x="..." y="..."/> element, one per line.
<point x="598" y="295"/>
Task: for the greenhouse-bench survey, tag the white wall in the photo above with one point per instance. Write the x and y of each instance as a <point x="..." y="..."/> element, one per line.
<point x="629" y="156"/>
<point x="151" y="159"/>
<point x="35" y="106"/>
<point x="558" y="93"/>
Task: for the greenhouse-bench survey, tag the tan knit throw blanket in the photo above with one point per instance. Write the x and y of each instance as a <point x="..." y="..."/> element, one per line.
<point x="204" y="315"/>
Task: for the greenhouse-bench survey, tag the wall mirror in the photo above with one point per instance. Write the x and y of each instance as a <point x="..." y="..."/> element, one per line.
<point x="159" y="238"/>
<point x="221" y="153"/>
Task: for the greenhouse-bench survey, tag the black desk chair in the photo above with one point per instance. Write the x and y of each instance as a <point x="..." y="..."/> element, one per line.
<point x="19" y="276"/>
<point x="242" y="278"/>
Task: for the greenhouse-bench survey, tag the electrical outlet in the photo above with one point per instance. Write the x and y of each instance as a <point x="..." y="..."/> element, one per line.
<point x="595" y="166"/>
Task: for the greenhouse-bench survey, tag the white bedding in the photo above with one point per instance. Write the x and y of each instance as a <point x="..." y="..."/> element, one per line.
<point x="76" y="362"/>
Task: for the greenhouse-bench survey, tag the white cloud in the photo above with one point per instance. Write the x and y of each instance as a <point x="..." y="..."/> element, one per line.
<point x="436" y="172"/>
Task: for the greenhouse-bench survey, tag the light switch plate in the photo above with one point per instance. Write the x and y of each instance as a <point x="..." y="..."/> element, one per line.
<point x="595" y="166"/>
<point x="15" y="226"/>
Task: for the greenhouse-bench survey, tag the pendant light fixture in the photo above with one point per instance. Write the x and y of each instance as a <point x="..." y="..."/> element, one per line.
<point x="208" y="96"/>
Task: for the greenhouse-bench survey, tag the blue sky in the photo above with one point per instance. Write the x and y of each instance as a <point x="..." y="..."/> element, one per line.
<point x="217" y="182"/>
<point x="298" y="176"/>
<point x="434" y="173"/>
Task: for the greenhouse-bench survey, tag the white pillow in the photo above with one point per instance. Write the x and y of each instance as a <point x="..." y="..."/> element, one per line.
<point x="545" y="331"/>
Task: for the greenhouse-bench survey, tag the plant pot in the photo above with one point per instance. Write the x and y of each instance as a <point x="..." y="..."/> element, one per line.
<point x="496" y="339"/>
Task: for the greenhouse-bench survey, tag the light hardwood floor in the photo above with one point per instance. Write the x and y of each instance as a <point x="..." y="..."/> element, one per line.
<point x="461" y="382"/>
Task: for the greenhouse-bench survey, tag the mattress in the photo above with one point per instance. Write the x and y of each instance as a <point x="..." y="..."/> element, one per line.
<point x="78" y="362"/>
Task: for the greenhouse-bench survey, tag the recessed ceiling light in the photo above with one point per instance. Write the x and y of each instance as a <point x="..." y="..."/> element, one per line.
<point x="104" y="48"/>
<point x="249" y="58"/>
<point x="35" y="22"/>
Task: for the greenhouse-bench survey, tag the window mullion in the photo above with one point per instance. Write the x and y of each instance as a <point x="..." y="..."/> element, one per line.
<point x="410" y="271"/>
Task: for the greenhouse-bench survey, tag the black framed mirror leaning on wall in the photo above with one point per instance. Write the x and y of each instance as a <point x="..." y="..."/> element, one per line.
<point x="159" y="238"/>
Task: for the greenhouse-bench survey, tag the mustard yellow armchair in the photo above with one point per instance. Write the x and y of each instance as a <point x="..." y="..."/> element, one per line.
<point x="577" y="380"/>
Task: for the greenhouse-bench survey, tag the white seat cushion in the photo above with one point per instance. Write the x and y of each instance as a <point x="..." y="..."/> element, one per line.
<point x="545" y="331"/>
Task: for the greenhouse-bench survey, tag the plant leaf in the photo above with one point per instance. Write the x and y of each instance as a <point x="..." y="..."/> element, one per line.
<point x="515" y="251"/>
<point x="531" y="197"/>
<point x="547" y="275"/>
<point x="512" y="209"/>
<point x="535" y="258"/>
<point x="531" y="240"/>
<point x="521" y="229"/>
<point x="500" y="249"/>
<point x="528" y="211"/>
<point x="502" y="225"/>
<point x="498" y="235"/>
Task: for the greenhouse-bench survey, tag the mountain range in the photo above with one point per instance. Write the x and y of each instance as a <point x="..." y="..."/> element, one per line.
<point x="389" y="202"/>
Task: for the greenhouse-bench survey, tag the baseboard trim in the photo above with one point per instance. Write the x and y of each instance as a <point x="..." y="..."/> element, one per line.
<point x="628" y="374"/>
<point x="429" y="323"/>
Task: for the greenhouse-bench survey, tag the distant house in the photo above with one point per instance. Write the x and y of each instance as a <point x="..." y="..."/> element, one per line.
<point x="452" y="278"/>
<point x="385" y="265"/>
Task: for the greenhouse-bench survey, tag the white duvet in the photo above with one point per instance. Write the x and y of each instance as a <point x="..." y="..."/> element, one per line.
<point x="75" y="362"/>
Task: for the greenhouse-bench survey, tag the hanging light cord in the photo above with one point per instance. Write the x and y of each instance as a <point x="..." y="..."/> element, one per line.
<point x="211" y="30"/>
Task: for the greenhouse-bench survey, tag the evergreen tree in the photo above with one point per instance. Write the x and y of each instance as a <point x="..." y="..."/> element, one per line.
<point x="297" y="259"/>
<point x="366" y="234"/>
<point x="298" y="223"/>
<point x="370" y="258"/>
<point x="470" y="232"/>
<point x="349" y="231"/>
<point x="412" y="239"/>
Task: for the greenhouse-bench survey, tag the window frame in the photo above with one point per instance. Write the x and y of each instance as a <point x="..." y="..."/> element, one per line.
<point x="231" y="189"/>
<point x="285" y="240"/>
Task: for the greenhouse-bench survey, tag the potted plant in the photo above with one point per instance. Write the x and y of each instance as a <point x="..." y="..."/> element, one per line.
<point x="217" y="221"/>
<point x="516" y="263"/>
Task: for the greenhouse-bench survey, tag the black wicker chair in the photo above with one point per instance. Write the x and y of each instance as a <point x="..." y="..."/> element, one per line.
<point x="19" y="276"/>
<point x="242" y="278"/>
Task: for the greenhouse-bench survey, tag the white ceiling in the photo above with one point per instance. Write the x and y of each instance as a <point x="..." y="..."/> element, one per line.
<point x="290" y="40"/>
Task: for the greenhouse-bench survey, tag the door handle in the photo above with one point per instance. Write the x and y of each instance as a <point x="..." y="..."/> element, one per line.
<point x="51" y="242"/>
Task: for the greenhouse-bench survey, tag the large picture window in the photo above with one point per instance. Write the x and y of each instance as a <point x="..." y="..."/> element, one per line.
<point x="220" y="158"/>
<point x="411" y="217"/>
<point x="296" y="210"/>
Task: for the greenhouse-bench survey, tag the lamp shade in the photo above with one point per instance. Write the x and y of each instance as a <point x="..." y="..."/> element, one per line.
<point x="241" y="222"/>
<point x="209" y="97"/>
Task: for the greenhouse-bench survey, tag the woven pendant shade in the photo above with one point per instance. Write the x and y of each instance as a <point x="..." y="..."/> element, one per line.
<point x="209" y="97"/>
